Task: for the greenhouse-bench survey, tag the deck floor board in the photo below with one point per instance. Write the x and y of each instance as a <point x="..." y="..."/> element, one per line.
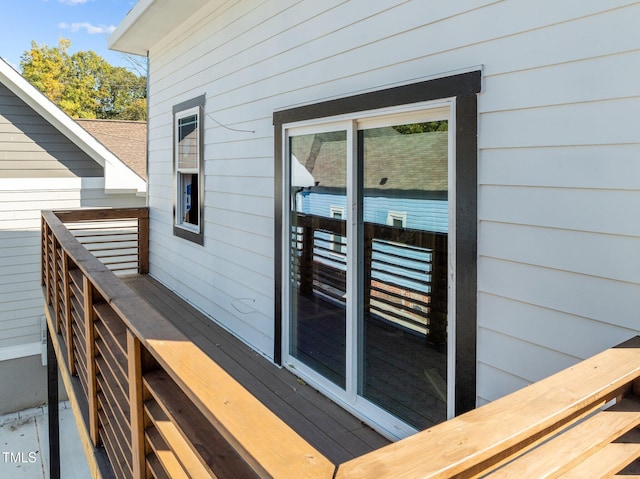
<point x="333" y="431"/>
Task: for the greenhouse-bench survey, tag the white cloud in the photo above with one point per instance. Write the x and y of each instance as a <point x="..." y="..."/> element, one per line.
<point x="73" y="2"/>
<point x="88" y="27"/>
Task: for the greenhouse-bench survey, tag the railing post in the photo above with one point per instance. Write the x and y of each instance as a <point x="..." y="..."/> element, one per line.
<point x="46" y="266"/>
<point x="134" y="357"/>
<point x="143" y="244"/>
<point x="67" y="310"/>
<point x="306" y="261"/>
<point x="92" y="386"/>
<point x="53" y="411"/>
<point x="369" y="233"/>
<point x="54" y="281"/>
<point x="43" y="252"/>
<point x="438" y="293"/>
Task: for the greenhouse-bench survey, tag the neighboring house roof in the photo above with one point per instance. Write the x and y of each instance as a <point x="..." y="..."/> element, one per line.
<point x="125" y="139"/>
<point x="148" y="21"/>
<point x="118" y="177"/>
<point x="408" y="164"/>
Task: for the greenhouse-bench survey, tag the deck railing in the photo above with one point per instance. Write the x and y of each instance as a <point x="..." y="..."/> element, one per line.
<point x="588" y="415"/>
<point x="155" y="402"/>
<point x="161" y="408"/>
<point x="405" y="270"/>
<point x="119" y="238"/>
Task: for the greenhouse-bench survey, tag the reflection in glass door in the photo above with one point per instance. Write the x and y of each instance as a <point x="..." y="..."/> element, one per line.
<point x="403" y="323"/>
<point x="318" y="270"/>
<point x="368" y="264"/>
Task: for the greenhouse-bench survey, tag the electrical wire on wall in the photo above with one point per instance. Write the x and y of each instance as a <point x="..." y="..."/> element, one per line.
<point x="240" y="305"/>
<point x="228" y="127"/>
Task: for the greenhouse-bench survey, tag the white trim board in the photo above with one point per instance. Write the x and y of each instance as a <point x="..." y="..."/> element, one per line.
<point x="50" y="184"/>
<point x="20" y="351"/>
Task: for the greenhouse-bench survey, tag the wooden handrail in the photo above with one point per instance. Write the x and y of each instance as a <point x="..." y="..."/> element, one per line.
<point x="155" y="400"/>
<point x="478" y="442"/>
<point x="108" y="232"/>
<point x="93" y="214"/>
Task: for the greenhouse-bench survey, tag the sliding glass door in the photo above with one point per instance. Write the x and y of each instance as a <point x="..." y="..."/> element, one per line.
<point x="368" y="294"/>
<point x="317" y="255"/>
<point x="402" y="328"/>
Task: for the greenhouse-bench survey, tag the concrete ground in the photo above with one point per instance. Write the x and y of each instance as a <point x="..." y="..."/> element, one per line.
<point x="24" y="445"/>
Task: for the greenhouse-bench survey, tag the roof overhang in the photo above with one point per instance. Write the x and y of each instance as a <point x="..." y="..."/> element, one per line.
<point x="118" y="177"/>
<point x="149" y="21"/>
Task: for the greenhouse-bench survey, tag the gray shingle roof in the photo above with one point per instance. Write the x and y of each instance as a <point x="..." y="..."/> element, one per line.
<point x="125" y="139"/>
<point x="394" y="161"/>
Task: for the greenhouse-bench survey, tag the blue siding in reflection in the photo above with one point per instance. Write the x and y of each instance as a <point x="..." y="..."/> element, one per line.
<point x="412" y="268"/>
<point x="427" y="215"/>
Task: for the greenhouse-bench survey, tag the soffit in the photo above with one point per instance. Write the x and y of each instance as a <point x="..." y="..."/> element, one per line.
<point x="149" y="21"/>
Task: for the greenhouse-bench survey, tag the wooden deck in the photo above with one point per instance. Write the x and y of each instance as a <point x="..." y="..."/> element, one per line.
<point x="160" y="391"/>
<point x="334" y="432"/>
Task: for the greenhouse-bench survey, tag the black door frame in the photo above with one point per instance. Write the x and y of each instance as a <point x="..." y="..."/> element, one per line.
<point x="464" y="87"/>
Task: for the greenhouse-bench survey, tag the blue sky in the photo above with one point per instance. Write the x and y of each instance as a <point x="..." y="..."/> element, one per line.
<point x="87" y="23"/>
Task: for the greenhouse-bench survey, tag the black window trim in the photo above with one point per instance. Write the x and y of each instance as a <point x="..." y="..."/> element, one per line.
<point x="464" y="87"/>
<point x="195" y="237"/>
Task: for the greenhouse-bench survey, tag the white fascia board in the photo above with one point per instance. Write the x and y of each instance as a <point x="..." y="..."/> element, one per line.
<point x="50" y="184"/>
<point x="148" y="22"/>
<point x="118" y="176"/>
<point x="20" y="351"/>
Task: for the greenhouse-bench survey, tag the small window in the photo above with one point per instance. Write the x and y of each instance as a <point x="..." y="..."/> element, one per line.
<point x="337" y="241"/>
<point x="188" y="170"/>
<point x="397" y="219"/>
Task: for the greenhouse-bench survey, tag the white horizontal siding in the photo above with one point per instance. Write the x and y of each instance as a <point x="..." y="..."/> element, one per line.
<point x="584" y="209"/>
<point x="558" y="149"/>
<point x="563" y="84"/>
<point x="599" y="255"/>
<point x="609" y="301"/>
<point x="597" y="122"/>
<point x="557" y="142"/>
<point x="241" y="185"/>
<point x="522" y="359"/>
<point x="584" y="166"/>
<point x="454" y="51"/>
<point x="230" y="274"/>
<point x="21" y="202"/>
<point x="576" y="336"/>
<point x="319" y="38"/>
<point x="224" y="305"/>
<point x="494" y="383"/>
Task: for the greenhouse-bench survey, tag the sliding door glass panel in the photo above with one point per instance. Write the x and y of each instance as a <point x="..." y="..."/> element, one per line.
<point x="318" y="247"/>
<point x="403" y="324"/>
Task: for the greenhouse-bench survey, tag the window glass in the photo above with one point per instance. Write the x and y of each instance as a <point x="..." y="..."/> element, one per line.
<point x="403" y="360"/>
<point x="189" y="198"/>
<point x="188" y="172"/>
<point x="318" y="271"/>
<point x="382" y="277"/>
<point x="188" y="142"/>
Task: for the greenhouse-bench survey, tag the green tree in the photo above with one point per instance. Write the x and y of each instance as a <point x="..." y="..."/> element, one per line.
<point x="125" y="95"/>
<point x="422" y="127"/>
<point x="45" y="68"/>
<point x="85" y="85"/>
